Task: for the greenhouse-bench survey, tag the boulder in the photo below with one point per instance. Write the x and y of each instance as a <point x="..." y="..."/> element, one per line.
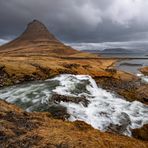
<point x="141" y="133"/>
<point x="77" y="100"/>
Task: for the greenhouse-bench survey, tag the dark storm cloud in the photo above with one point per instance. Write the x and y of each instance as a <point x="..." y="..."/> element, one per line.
<point x="78" y="20"/>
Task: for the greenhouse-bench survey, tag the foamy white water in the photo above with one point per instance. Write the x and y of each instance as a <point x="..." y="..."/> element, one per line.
<point x="104" y="111"/>
<point x="143" y="78"/>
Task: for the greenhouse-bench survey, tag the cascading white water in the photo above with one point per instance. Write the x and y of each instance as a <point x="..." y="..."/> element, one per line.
<point x="104" y="108"/>
<point x="143" y="78"/>
<point x="104" y="111"/>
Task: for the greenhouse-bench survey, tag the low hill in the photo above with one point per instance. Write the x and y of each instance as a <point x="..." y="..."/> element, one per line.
<point x="116" y="50"/>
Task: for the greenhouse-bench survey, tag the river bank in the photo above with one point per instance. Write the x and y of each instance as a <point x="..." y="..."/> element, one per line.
<point x="22" y="129"/>
<point x="120" y="83"/>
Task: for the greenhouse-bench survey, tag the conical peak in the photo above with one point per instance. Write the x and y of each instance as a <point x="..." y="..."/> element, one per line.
<point x="36" y="39"/>
<point x="37" y="25"/>
<point x="37" y="31"/>
<point x="35" y="21"/>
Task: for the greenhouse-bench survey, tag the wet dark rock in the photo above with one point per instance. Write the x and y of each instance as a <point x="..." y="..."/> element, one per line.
<point x="141" y="133"/>
<point x="2" y="66"/>
<point x="71" y="65"/>
<point x="77" y="100"/>
<point x="87" y="66"/>
<point x="130" y="90"/>
<point x="2" y="71"/>
<point x="28" y="78"/>
<point x="124" y="122"/>
<point x="59" y="112"/>
<point x="111" y="70"/>
<point x="45" y="70"/>
<point x="66" y="71"/>
<point x="3" y="136"/>
<point x="4" y="77"/>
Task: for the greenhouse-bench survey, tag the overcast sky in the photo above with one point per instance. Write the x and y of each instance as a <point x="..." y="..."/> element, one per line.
<point x="78" y="20"/>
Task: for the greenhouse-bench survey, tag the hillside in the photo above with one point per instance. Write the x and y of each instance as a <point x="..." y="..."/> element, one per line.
<point x="22" y="129"/>
<point x="36" y="40"/>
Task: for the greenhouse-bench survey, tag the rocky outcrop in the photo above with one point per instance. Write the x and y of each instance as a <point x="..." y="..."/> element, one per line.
<point x="4" y="77"/>
<point x="58" y="112"/>
<point x="144" y="70"/>
<point x="77" y="100"/>
<point x="142" y="92"/>
<point x="22" y="129"/>
<point x="120" y="128"/>
<point x="126" y="85"/>
<point x="141" y="133"/>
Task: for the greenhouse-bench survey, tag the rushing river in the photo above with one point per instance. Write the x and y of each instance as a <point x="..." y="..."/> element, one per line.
<point x="104" y="110"/>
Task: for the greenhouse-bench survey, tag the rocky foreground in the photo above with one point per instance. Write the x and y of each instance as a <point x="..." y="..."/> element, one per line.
<point x="21" y="129"/>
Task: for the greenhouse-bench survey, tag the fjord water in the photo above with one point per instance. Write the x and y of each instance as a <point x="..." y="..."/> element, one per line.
<point x="105" y="109"/>
<point x="132" y="65"/>
<point x="130" y="62"/>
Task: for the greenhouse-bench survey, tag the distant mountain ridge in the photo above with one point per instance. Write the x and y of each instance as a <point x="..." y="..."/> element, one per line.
<point x="116" y="50"/>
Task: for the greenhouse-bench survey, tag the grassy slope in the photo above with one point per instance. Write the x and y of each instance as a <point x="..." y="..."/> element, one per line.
<point x="21" y="129"/>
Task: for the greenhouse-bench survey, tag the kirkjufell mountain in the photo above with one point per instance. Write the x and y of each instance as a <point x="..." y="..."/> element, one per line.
<point x="36" y="39"/>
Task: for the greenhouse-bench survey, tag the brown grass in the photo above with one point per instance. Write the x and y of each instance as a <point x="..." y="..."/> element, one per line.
<point x="21" y="129"/>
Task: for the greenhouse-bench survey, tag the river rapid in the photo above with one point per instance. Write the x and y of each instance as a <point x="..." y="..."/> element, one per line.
<point x="105" y="110"/>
